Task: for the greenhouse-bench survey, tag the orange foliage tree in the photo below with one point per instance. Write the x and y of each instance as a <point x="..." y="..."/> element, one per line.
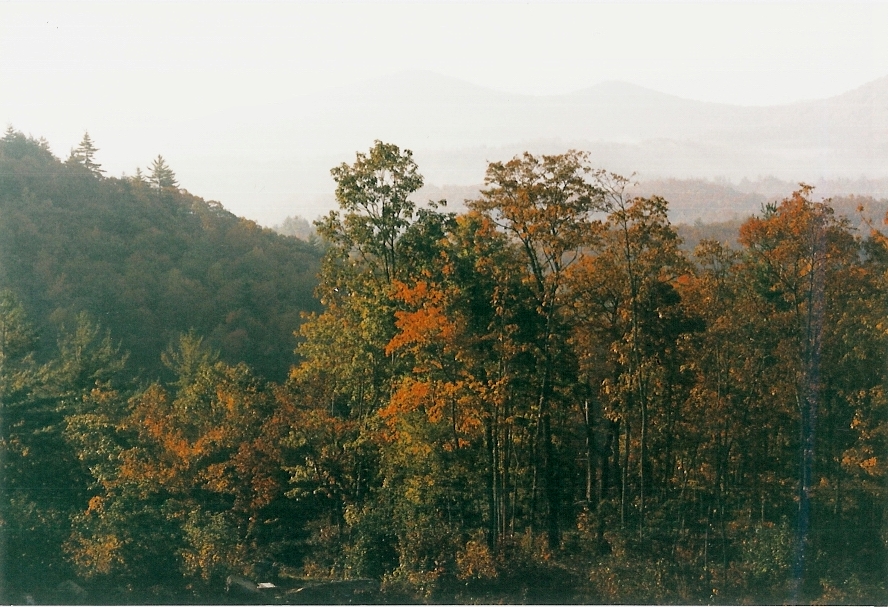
<point x="186" y="481"/>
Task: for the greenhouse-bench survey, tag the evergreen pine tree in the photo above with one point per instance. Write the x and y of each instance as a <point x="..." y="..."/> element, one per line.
<point x="139" y="177"/>
<point x="162" y="176"/>
<point x="84" y="155"/>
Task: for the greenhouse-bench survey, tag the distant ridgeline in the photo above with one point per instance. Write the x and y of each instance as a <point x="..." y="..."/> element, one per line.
<point x="146" y="261"/>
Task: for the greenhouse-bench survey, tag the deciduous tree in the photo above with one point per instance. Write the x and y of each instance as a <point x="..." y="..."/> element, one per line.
<point x="545" y="204"/>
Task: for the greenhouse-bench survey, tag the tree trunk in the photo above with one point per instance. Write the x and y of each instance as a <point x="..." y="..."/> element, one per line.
<point x="642" y="462"/>
<point x="625" y="474"/>
<point x="492" y="486"/>
<point x="591" y="450"/>
<point x="552" y="494"/>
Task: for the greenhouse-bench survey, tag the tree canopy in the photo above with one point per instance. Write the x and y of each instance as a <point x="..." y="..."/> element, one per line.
<point x="545" y="398"/>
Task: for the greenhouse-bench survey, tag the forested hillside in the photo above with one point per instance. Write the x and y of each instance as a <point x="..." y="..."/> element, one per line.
<point x="146" y="263"/>
<point x="544" y="398"/>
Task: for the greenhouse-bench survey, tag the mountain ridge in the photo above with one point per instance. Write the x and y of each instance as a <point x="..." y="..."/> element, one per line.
<point x="278" y="156"/>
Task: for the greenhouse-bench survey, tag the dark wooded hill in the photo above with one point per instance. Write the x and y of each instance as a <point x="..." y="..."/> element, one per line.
<point x="146" y="263"/>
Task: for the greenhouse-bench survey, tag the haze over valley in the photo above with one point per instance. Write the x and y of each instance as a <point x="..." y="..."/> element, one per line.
<point x="272" y="161"/>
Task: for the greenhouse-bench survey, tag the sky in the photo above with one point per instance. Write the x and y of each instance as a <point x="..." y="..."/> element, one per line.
<point x="73" y="66"/>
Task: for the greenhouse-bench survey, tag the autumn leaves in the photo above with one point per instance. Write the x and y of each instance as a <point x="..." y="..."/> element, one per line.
<point x="553" y="353"/>
<point x="543" y="392"/>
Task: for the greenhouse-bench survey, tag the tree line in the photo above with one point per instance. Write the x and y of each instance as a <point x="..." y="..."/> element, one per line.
<point x="543" y="398"/>
<point x="161" y="176"/>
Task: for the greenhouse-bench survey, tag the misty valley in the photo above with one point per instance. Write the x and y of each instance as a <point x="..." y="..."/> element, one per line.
<point x="563" y="387"/>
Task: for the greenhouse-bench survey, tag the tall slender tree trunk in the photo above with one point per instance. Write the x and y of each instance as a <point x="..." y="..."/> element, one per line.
<point x="624" y="472"/>
<point x="492" y="485"/>
<point x="808" y="399"/>
<point x="642" y="463"/>
<point x="510" y="486"/>
<point x="591" y="459"/>
<point x="552" y="494"/>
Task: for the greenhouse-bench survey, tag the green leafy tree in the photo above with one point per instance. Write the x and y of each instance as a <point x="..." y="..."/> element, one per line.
<point x="345" y="373"/>
<point x="356" y="275"/>
<point x="373" y="194"/>
<point x="44" y="480"/>
<point x="86" y="359"/>
<point x="17" y="342"/>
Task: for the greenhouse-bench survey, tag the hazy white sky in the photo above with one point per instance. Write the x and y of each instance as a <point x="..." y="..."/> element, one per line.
<point x="70" y="66"/>
<point x="61" y="60"/>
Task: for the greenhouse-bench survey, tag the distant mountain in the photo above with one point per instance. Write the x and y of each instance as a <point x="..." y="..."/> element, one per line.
<point x="285" y="150"/>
